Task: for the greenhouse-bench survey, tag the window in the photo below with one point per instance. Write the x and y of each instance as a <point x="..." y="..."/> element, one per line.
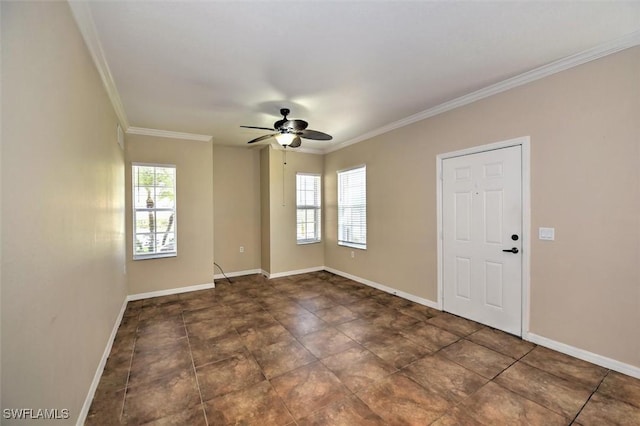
<point x="352" y="207"/>
<point x="308" y="208"/>
<point x="154" y="211"/>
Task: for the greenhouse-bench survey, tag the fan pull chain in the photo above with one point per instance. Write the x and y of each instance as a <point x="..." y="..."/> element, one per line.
<point x="284" y="163"/>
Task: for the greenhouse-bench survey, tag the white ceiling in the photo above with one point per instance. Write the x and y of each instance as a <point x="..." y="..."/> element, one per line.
<point x="349" y="68"/>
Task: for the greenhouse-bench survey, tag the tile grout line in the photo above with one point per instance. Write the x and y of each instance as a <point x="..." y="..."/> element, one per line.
<point x="396" y="369"/>
<point x="318" y="359"/>
<point x="516" y="360"/>
<point x="491" y="380"/>
<point x="264" y="374"/>
<point x="193" y="366"/>
<point x="547" y="372"/>
<point x="133" y="350"/>
<point x="359" y="343"/>
<point x="267" y="379"/>
<point x="295" y="421"/>
<point x="590" y="396"/>
<point x="564" y="378"/>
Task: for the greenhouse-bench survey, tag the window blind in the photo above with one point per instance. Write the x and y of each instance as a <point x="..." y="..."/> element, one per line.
<point x="308" y="203"/>
<point x="154" y="211"/>
<point x="352" y="207"/>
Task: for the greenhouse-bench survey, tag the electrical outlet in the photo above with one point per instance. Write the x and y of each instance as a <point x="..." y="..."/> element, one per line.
<point x="241" y="249"/>
<point x="353" y="254"/>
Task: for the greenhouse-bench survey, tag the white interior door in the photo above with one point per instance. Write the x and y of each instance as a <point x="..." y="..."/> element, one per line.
<point x="482" y="237"/>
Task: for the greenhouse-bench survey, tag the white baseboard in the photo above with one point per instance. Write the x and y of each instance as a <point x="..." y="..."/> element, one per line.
<point x="603" y="361"/>
<point x="170" y="291"/>
<point x="404" y="295"/>
<point x="296" y="272"/>
<point x="82" y="417"/>
<point x="238" y="273"/>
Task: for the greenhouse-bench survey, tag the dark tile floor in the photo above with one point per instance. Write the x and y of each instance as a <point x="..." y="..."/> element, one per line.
<point x="319" y="349"/>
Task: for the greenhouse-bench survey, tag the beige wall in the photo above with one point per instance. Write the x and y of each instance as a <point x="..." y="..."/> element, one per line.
<point x="401" y="246"/>
<point x="62" y="211"/>
<point x="236" y="194"/>
<point x="265" y="211"/>
<point x="248" y="211"/>
<point x="285" y="254"/>
<point x="194" y="195"/>
<point x="584" y="125"/>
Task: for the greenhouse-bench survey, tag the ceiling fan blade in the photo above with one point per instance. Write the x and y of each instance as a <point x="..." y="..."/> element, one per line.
<point x="294" y="125"/>
<point x="296" y="142"/>
<point x="261" y="138"/>
<point x="260" y="128"/>
<point x="314" y="134"/>
<point x="278" y="124"/>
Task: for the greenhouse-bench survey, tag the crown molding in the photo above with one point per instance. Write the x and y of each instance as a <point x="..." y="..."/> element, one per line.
<point x="309" y="151"/>
<point x="602" y="50"/>
<point x="301" y="149"/>
<point x="84" y="19"/>
<point x="168" y="134"/>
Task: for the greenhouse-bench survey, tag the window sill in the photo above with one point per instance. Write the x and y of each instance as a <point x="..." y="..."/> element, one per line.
<point x="304" y="243"/>
<point x="155" y="256"/>
<point x="355" y="246"/>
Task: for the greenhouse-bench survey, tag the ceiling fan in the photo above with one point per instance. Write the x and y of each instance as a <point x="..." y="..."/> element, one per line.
<point x="289" y="132"/>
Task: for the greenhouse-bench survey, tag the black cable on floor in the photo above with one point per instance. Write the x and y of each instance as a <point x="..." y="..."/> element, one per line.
<point x="223" y="274"/>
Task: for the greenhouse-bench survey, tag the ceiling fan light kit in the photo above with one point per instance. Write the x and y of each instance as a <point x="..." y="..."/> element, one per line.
<point x="289" y="132"/>
<point x="285" y="139"/>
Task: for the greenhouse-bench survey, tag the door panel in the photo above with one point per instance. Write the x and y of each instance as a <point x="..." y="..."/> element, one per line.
<point x="463" y="216"/>
<point x="482" y="208"/>
<point x="463" y="277"/>
<point x="493" y="284"/>
<point x="493" y="217"/>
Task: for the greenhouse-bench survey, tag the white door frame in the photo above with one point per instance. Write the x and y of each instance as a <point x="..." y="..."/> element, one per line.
<point x="523" y="142"/>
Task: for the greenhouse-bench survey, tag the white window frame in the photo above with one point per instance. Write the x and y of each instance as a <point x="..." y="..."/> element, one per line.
<point x="316" y="208"/>
<point x="156" y="254"/>
<point x="346" y="238"/>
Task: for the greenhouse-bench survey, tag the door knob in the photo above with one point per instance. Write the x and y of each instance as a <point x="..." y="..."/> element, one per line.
<point x="511" y="250"/>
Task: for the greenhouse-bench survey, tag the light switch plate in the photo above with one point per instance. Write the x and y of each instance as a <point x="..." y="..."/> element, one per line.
<point x="548" y="234"/>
